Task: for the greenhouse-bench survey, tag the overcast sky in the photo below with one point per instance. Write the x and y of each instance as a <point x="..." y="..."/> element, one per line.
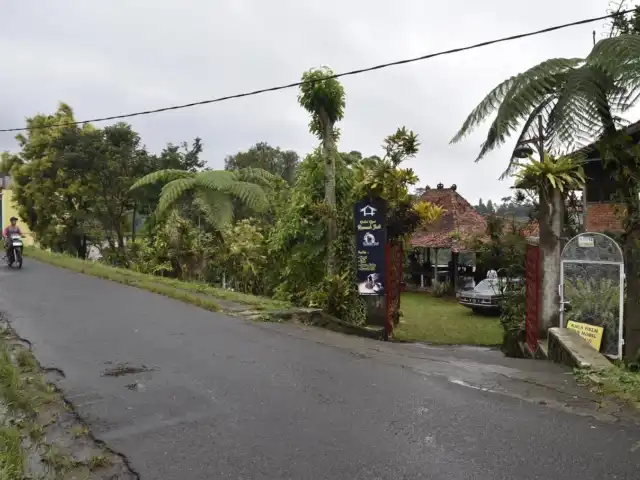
<point x="117" y="56"/>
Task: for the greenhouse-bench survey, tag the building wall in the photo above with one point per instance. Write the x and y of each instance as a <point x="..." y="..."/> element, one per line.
<point x="603" y="217"/>
<point x="10" y="210"/>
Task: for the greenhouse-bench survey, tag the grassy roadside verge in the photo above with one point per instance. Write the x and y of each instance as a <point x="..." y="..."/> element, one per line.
<point x="202" y="295"/>
<point x="616" y="381"/>
<point x="40" y="436"/>
<point x="198" y="294"/>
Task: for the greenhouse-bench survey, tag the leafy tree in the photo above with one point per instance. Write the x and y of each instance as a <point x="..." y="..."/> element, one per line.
<point x="384" y="178"/>
<point x="49" y="183"/>
<point x="181" y="157"/>
<point x="242" y="257"/>
<point x="628" y="24"/>
<point x="324" y="98"/>
<point x="481" y="208"/>
<point x="176" y="248"/>
<point x="213" y="191"/>
<point x="576" y="100"/>
<point x="551" y="178"/>
<point x="418" y="193"/>
<point x="298" y="242"/>
<point x="115" y="158"/>
<point x="264" y="156"/>
<point x="503" y="248"/>
<point x="173" y="157"/>
<point x="281" y="164"/>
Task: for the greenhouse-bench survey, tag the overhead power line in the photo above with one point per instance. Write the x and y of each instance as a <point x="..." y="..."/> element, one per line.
<point x="338" y="75"/>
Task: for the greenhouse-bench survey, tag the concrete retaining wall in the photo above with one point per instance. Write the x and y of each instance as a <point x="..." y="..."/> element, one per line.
<point x="566" y="346"/>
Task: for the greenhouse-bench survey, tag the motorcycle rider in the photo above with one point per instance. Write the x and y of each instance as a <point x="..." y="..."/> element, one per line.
<point x="11" y="229"/>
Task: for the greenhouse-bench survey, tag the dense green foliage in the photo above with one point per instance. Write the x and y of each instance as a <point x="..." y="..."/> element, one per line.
<point x="503" y="249"/>
<point x="562" y="104"/>
<point x="262" y="226"/>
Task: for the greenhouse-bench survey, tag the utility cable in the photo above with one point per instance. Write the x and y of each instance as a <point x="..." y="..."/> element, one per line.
<point x="338" y="75"/>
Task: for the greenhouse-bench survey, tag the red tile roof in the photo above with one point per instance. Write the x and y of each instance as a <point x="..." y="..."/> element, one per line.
<point x="458" y="222"/>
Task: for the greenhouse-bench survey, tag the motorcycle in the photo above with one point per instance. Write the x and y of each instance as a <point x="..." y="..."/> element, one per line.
<point x="14" y="254"/>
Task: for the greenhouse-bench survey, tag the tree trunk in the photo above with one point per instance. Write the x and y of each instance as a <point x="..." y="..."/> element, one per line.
<point x="632" y="303"/>
<point x="82" y="253"/>
<point x="551" y="216"/>
<point x="133" y="223"/>
<point x="330" y="192"/>
<point x="631" y="247"/>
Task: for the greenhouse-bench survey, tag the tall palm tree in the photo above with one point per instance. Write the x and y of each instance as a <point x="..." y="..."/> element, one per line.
<point x="578" y="100"/>
<point x="323" y="97"/>
<point x="213" y="190"/>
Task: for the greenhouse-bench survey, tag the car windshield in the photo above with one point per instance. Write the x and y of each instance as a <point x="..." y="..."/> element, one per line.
<point x="489" y="285"/>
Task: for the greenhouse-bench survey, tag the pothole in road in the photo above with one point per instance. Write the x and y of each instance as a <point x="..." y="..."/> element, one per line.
<point x="123" y="369"/>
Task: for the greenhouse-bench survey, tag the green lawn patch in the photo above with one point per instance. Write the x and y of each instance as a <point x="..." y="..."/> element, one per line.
<point x="443" y="321"/>
<point x="199" y="294"/>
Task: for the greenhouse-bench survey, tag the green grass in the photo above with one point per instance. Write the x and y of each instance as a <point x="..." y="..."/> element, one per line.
<point x="14" y="392"/>
<point x="12" y="456"/>
<point x="22" y="396"/>
<point x="616" y="381"/>
<point x="199" y="294"/>
<point x="32" y="406"/>
<point x="443" y="321"/>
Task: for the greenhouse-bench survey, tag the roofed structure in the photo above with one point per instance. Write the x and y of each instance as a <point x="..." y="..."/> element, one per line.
<point x="458" y="222"/>
<point x="601" y="211"/>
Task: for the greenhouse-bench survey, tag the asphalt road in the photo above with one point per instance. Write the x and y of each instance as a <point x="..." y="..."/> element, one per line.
<point x="228" y="399"/>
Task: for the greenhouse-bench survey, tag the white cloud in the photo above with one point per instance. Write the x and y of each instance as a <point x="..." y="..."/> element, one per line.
<point x="105" y="58"/>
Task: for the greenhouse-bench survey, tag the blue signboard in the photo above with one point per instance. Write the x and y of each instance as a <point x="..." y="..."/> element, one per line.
<point x="371" y="236"/>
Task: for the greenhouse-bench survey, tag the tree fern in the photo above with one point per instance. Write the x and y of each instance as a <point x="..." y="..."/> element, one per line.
<point x="257" y="176"/>
<point x="161" y="176"/>
<point x="578" y="99"/>
<point x="215" y="206"/>
<point x="252" y="195"/>
<point x="220" y="180"/>
<point x="514" y="99"/>
<point x="172" y="191"/>
<point x="214" y="190"/>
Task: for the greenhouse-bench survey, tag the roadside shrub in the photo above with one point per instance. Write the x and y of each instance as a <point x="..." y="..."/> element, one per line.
<point x="297" y="245"/>
<point x="146" y="256"/>
<point x="597" y="302"/>
<point x="176" y="248"/>
<point x="337" y="296"/>
<point x="512" y="317"/>
<point x="440" y="289"/>
<point x="503" y="249"/>
<point x="241" y="258"/>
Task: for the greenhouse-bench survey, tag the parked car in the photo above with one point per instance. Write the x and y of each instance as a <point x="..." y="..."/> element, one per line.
<point x="486" y="296"/>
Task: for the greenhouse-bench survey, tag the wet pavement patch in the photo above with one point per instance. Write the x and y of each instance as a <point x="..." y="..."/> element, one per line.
<point x="135" y="387"/>
<point x="41" y="434"/>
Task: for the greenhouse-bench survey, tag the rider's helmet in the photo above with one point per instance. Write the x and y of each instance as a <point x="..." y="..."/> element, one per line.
<point x="13" y="219"/>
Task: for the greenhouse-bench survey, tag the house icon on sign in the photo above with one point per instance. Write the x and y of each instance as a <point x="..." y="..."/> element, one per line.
<point x="368" y="211"/>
